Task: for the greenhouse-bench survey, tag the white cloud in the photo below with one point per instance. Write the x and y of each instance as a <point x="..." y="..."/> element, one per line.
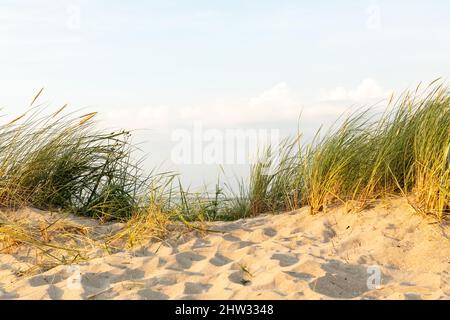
<point x="367" y="90"/>
<point x="276" y="104"/>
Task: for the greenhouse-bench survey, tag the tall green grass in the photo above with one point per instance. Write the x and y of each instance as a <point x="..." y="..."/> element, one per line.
<point x="62" y="162"/>
<point x="405" y="150"/>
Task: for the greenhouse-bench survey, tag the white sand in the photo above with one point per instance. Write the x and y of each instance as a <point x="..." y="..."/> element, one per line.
<point x="288" y="256"/>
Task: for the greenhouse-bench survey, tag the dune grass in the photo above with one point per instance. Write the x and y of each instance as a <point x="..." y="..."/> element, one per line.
<point x="405" y="151"/>
<point x="60" y="161"/>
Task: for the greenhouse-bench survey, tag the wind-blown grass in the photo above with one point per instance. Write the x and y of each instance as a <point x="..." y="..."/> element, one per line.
<point x="62" y="162"/>
<point x="403" y="151"/>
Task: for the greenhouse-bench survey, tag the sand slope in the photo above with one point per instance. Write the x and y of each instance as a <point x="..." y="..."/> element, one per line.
<point x="287" y="256"/>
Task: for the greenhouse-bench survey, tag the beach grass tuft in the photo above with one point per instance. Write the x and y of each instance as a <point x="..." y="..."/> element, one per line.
<point x="401" y="151"/>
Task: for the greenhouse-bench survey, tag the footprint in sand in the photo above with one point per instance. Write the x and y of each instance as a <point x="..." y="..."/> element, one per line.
<point x="412" y="296"/>
<point x="244" y="244"/>
<point x="55" y="293"/>
<point x="185" y="259"/>
<point x="149" y="294"/>
<point x="231" y="238"/>
<point x="161" y="280"/>
<point x="328" y="233"/>
<point x="300" y="275"/>
<point x="40" y="280"/>
<point x="285" y="260"/>
<point x="219" y="260"/>
<point x="196" y="288"/>
<point x="339" y="286"/>
<point x="341" y="280"/>
<point x="201" y="243"/>
<point x="240" y="243"/>
<point x="270" y="232"/>
<point x="95" y="281"/>
<point x="239" y="277"/>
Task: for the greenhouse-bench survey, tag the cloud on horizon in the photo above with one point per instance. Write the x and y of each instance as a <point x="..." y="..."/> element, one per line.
<point x="277" y="104"/>
<point x="367" y="90"/>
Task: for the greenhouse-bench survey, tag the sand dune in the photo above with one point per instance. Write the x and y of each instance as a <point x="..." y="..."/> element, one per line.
<point x="288" y="256"/>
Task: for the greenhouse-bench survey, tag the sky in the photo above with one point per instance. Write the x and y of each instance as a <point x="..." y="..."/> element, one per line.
<point x="172" y="69"/>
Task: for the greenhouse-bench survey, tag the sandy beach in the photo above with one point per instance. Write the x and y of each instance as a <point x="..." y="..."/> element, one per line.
<point x="293" y="255"/>
<point x="182" y="152"/>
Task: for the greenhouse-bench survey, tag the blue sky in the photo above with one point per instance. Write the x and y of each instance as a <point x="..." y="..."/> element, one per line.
<point x="162" y="65"/>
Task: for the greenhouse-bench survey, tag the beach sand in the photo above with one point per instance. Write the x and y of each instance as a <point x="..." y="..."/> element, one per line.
<point x="384" y="252"/>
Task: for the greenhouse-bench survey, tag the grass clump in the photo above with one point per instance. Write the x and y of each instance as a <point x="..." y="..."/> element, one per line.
<point x="405" y="150"/>
<point x="61" y="162"/>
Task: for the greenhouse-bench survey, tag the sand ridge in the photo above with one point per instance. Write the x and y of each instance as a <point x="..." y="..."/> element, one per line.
<point x="292" y="255"/>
